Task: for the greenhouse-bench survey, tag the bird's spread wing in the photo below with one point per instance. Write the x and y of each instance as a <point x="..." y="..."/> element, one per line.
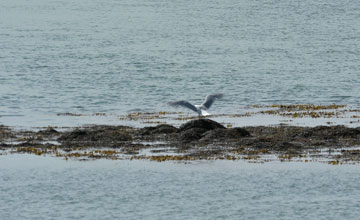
<point x="184" y="104"/>
<point x="209" y="100"/>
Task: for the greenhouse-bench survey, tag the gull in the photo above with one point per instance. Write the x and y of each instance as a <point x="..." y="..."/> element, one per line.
<point x="200" y="109"/>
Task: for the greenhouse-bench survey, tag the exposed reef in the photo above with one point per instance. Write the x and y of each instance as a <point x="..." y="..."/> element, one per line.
<point x="196" y="139"/>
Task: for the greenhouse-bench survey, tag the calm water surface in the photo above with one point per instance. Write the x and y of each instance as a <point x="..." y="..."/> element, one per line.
<point x="119" y="56"/>
<point x="32" y="187"/>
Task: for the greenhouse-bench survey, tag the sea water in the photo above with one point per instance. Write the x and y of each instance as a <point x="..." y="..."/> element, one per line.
<point x="33" y="187"/>
<point x="121" y="56"/>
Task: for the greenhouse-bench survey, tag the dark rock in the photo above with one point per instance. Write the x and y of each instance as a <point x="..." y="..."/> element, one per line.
<point x="191" y="134"/>
<point x="78" y="134"/>
<point x="205" y="124"/>
<point x="99" y="135"/>
<point x="5" y="133"/>
<point x="164" y="129"/>
<point x="49" y="131"/>
<point x="237" y="133"/>
<point x="160" y="129"/>
<point x="211" y="135"/>
<point x="326" y="132"/>
<point x="146" y="131"/>
<point x="193" y="130"/>
<point x="285" y="146"/>
<point x="231" y="133"/>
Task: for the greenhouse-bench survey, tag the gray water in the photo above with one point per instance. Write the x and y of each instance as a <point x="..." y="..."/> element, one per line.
<point x="33" y="187"/>
<point x="119" y="56"/>
<point x="116" y="57"/>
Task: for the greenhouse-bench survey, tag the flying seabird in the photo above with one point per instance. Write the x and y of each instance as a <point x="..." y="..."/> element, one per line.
<point x="200" y="109"/>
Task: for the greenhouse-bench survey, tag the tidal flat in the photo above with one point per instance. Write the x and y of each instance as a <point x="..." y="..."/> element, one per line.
<point x="198" y="139"/>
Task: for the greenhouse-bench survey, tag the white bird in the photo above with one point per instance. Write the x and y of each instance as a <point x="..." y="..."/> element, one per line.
<point x="200" y="109"/>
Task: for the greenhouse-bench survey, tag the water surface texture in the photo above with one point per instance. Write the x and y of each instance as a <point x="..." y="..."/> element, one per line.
<point x="33" y="187"/>
<point x="119" y="56"/>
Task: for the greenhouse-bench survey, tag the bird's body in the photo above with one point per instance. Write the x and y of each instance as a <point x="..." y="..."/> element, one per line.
<point x="200" y="109"/>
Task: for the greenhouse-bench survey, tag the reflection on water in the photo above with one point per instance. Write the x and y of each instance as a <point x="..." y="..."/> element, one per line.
<point x="33" y="187"/>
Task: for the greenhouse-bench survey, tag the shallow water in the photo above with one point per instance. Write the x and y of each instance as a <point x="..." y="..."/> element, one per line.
<point x="122" y="56"/>
<point x="33" y="187"/>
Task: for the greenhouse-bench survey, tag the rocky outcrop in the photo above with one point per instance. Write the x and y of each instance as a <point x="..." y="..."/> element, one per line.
<point x="205" y="124"/>
<point x="202" y="136"/>
<point x="194" y="130"/>
<point x="96" y="136"/>
<point x="5" y="133"/>
<point x="228" y="134"/>
<point x="160" y="129"/>
<point x="326" y="132"/>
